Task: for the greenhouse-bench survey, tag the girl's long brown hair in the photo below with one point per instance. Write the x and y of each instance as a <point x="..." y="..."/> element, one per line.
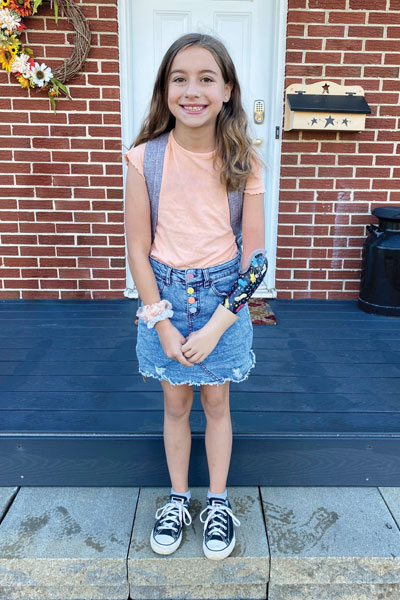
<point x="233" y="146"/>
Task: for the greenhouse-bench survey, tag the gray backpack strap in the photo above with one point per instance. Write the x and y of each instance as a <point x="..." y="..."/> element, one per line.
<point x="153" y="169"/>
<point x="236" y="208"/>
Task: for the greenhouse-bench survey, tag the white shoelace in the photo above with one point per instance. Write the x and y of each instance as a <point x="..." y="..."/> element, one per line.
<point x="172" y="514"/>
<point x="218" y="510"/>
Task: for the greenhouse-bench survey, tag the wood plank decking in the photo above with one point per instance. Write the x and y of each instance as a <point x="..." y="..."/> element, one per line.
<point x="321" y="407"/>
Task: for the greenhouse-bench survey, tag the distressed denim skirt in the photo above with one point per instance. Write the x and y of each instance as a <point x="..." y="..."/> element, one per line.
<point x="194" y="295"/>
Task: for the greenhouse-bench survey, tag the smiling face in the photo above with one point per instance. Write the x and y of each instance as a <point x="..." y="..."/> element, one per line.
<point x="196" y="89"/>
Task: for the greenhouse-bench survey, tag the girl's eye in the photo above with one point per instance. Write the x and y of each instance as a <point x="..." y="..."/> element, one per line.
<point x="207" y="79"/>
<point x="177" y="79"/>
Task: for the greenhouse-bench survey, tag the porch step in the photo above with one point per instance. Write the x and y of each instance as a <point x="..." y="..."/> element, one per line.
<point x="294" y="543"/>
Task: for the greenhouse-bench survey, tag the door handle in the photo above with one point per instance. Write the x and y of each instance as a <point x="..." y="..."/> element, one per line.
<point x="258" y="142"/>
<point x="259" y="110"/>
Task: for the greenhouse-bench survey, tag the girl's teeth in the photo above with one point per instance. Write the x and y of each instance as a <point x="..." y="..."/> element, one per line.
<point x="193" y="108"/>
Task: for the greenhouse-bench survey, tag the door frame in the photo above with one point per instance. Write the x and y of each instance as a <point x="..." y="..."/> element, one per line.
<point x="274" y="115"/>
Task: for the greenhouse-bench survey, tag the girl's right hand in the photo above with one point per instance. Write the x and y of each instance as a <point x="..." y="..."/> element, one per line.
<point x="171" y="341"/>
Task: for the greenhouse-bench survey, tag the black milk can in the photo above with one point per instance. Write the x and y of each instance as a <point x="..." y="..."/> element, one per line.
<point x="380" y="270"/>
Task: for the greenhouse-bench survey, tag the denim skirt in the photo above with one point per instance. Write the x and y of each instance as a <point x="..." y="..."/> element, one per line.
<point x="194" y="295"/>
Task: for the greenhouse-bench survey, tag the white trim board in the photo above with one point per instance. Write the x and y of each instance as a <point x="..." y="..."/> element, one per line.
<point x="274" y="116"/>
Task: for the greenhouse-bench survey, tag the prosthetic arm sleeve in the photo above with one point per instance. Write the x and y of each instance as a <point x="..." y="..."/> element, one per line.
<point x="249" y="278"/>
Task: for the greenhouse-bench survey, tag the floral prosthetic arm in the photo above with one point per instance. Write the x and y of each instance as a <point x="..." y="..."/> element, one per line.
<point x="249" y="278"/>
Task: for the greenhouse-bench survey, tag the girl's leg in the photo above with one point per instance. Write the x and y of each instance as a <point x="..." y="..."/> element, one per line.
<point x="218" y="438"/>
<point x="178" y="400"/>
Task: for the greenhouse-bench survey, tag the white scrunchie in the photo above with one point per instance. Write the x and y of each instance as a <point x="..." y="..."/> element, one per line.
<point x="152" y="313"/>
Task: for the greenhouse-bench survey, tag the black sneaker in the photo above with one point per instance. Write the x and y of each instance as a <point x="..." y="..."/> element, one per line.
<point x="166" y="534"/>
<point x="219" y="535"/>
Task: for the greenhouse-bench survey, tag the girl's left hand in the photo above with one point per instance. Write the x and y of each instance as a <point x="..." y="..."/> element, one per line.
<point x="199" y="344"/>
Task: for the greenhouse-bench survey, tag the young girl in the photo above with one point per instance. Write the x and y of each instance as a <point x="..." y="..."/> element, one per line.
<point x="185" y="208"/>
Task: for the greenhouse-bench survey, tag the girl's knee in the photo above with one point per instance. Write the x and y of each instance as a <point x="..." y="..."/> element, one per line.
<point x="215" y="400"/>
<point x="178" y="400"/>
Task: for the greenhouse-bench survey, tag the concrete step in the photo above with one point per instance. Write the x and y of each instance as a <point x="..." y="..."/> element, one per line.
<point x="294" y="543"/>
<point x="66" y="543"/>
<point x="187" y="573"/>
<point x="333" y="543"/>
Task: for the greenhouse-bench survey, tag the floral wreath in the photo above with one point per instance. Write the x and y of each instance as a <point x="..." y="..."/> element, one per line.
<point x="17" y="59"/>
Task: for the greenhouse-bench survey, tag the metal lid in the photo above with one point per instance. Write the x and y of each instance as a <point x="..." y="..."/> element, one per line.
<point x="389" y="213"/>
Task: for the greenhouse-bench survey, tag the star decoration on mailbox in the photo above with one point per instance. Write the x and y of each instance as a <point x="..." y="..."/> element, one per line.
<point x="325" y="87"/>
<point x="329" y="121"/>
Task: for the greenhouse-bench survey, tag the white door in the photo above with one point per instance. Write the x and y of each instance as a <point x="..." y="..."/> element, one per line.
<point x="254" y="34"/>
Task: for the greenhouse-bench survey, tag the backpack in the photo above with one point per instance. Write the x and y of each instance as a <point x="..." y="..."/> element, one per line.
<point x="153" y="168"/>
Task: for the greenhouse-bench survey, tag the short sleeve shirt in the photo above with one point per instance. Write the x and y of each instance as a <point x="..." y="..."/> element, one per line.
<point x="193" y="226"/>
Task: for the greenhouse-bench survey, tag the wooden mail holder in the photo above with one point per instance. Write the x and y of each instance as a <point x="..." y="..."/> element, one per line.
<point x="325" y="106"/>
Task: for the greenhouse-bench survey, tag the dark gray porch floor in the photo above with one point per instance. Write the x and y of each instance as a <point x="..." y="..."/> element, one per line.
<point x="321" y="406"/>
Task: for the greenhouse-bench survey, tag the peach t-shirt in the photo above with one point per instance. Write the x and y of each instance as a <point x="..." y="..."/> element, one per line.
<point x="193" y="226"/>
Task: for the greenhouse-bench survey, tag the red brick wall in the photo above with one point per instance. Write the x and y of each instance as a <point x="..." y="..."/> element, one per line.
<point x="330" y="181"/>
<point x="61" y="197"/>
<point x="61" y="194"/>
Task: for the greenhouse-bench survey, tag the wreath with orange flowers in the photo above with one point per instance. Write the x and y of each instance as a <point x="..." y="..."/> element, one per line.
<point x="19" y="60"/>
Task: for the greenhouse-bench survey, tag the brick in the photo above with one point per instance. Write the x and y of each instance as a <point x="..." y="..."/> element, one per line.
<point x="317" y="159"/>
<point x="7" y="272"/>
<point x="335" y="172"/>
<point x="26" y="273"/>
<point x="63" y="240"/>
<point x="388" y="110"/>
<point x="75" y="251"/>
<point x="326" y="285"/>
<point x="323" y="57"/>
<point x="361" y="184"/>
<point x="365" y="31"/>
<point x="72" y="228"/>
<point x="304" y="70"/>
<point x="336" y="147"/>
<point x="355" y="159"/>
<point x="21" y="284"/>
<point x="37" y="251"/>
<point x="380" y="72"/>
<point x="58" y="284"/>
<point x="343" y="44"/>
<point x="367" y="4"/>
<point x="393" y="32"/>
<point x="294" y="57"/>
<point x="54" y="216"/>
<point x="370" y="196"/>
<point x="389" y="184"/>
<point x="58" y="262"/>
<point x="327" y="4"/>
<point x="304" y="43"/>
<point x="365" y="58"/>
<point x="391" y="59"/>
<point x="75" y="273"/>
<point x="372" y="172"/>
<point x="90" y="284"/>
<point x="325" y="31"/>
<point x="306" y="16"/>
<point x="347" y="17"/>
<point x="376" y="148"/>
<point x="16" y="216"/>
<point x="311" y="230"/>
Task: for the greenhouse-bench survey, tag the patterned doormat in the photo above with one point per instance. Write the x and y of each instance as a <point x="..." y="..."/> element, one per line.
<point x="261" y="312"/>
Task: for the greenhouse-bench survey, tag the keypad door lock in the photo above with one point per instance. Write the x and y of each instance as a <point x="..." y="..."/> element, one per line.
<point x="259" y="109"/>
